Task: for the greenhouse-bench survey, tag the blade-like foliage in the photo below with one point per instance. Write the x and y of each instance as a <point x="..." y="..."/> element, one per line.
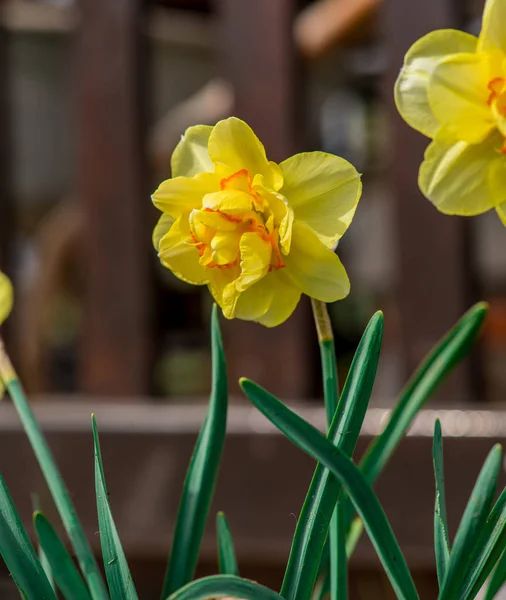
<point x="441" y="542"/>
<point x="61" y="497"/>
<point x="339" y="581"/>
<point x="434" y="369"/>
<point x="226" y="553"/>
<point x="18" y="552"/>
<point x="316" y="445"/>
<point x="498" y="578"/>
<point x="465" y="544"/>
<point x="202" y="474"/>
<point x="119" y="578"/>
<point x="490" y="545"/>
<point x="66" y="576"/>
<point x="313" y="523"/>
<point x="217" y="586"/>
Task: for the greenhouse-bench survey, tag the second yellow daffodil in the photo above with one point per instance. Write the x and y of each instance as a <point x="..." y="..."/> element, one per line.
<point x="452" y="88"/>
<point x="6" y="297"/>
<point x="257" y="233"/>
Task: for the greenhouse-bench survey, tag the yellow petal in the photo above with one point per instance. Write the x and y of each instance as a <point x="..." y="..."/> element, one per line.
<point x="231" y="202"/>
<point x="165" y="222"/>
<point x="455" y="177"/>
<point x="190" y="155"/>
<point x="232" y="144"/>
<point x="324" y="191"/>
<point x="315" y="269"/>
<point x="501" y="211"/>
<point x="270" y="301"/>
<point x="225" y="246"/>
<point x="214" y="220"/>
<point x="420" y="61"/>
<point x="497" y="180"/>
<point x="6" y="297"/>
<point x="493" y="31"/>
<point x="223" y="290"/>
<point x="458" y="95"/>
<point x="255" y="260"/>
<point x="182" y="194"/>
<point x="179" y="254"/>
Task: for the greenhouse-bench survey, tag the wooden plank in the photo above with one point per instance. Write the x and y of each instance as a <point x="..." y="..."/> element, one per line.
<point x="434" y="287"/>
<point x="7" y="213"/>
<point x="6" y="203"/>
<point x="259" y="59"/>
<point x="115" y="353"/>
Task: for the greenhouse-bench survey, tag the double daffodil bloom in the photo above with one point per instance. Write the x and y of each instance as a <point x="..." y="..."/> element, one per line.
<point x="452" y="88"/>
<point x="257" y="233"/>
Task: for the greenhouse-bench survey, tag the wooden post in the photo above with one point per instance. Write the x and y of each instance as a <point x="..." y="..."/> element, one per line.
<point x="115" y="354"/>
<point x="259" y="59"/>
<point x="433" y="284"/>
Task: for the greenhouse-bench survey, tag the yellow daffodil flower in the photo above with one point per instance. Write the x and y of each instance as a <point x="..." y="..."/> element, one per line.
<point x="452" y="88"/>
<point x="6" y="297"/>
<point x="257" y="233"/>
<point x="6" y="302"/>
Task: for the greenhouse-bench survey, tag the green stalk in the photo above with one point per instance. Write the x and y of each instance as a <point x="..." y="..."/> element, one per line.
<point x="331" y="398"/>
<point x="61" y="497"/>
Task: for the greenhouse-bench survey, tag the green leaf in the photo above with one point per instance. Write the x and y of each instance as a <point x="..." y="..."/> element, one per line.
<point x="321" y="498"/>
<point x="202" y="474"/>
<point x="18" y="552"/>
<point x="209" y="588"/>
<point x="491" y="544"/>
<point x="339" y="582"/>
<point x="119" y="578"/>
<point x="434" y="369"/>
<point x="40" y="551"/>
<point x="441" y="542"/>
<point x="316" y="445"/>
<point x="226" y="552"/>
<point x="66" y="576"/>
<point x="61" y="497"/>
<point x="465" y="544"/>
<point x="498" y="578"/>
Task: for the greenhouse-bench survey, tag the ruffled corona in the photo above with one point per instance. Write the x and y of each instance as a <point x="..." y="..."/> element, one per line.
<point x="452" y="89"/>
<point x="257" y="233"/>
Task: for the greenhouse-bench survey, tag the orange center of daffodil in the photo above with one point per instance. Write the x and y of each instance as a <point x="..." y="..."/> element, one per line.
<point x="241" y="207"/>
<point x="497" y="101"/>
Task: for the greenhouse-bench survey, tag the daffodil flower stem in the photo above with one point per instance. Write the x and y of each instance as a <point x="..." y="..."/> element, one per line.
<point x="53" y="478"/>
<point x="331" y="396"/>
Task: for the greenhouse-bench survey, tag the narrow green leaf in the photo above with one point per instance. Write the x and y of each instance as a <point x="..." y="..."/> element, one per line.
<point x="18" y="552"/>
<point x="313" y="523"/>
<point x="209" y="588"/>
<point x="441" y="542"/>
<point x="465" y="544"/>
<point x="339" y="582"/>
<point x="61" y="497"/>
<point x="491" y="544"/>
<point x="202" y="474"/>
<point x="226" y="552"/>
<point x="431" y="373"/>
<point x="66" y="576"/>
<point x="367" y="504"/>
<point x="119" y="578"/>
<point x="498" y="578"/>
<point x="40" y="551"/>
